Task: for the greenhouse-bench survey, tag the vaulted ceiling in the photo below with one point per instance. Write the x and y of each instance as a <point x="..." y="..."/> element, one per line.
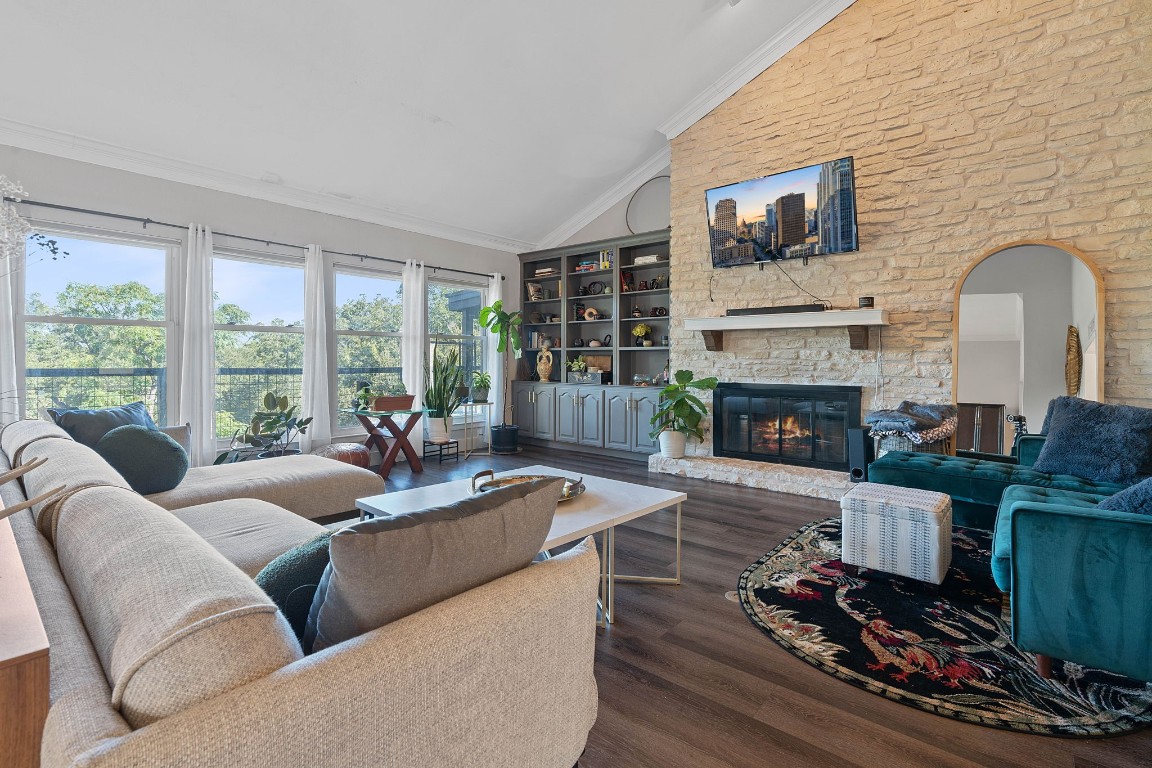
<point x="503" y="123"/>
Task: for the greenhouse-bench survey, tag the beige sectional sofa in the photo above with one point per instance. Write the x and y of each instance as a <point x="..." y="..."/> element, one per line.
<point x="164" y="652"/>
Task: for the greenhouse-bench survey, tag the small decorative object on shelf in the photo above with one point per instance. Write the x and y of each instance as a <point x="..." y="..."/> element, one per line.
<point x="649" y="259"/>
<point x="637" y="312"/>
<point x="626" y="283"/>
<point x="641" y="380"/>
<point x="577" y="342"/>
<point x="544" y="364"/>
<point x="593" y="314"/>
<point x="665" y="341"/>
<point x="577" y="365"/>
<point x="643" y="285"/>
<point x="659" y="312"/>
<point x="535" y="291"/>
<point x="577" y="311"/>
<point x="641" y="331"/>
<point x="606" y="259"/>
<point x="658" y="282"/>
<point x="607" y="339"/>
<point x="595" y="288"/>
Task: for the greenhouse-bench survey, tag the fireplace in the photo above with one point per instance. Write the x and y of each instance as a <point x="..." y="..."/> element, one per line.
<point x="785" y="424"/>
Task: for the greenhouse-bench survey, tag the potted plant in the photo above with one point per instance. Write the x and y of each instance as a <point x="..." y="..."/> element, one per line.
<point x="679" y="414"/>
<point x="276" y="427"/>
<point x="481" y="383"/>
<point x="506" y="327"/>
<point x="641" y="331"/>
<point x="578" y="371"/>
<point x="442" y="396"/>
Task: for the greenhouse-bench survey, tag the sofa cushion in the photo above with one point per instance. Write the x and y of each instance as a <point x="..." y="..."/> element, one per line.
<point x="68" y="465"/>
<point x="1098" y="441"/>
<point x="172" y="621"/>
<point x="181" y="433"/>
<point x="18" y="434"/>
<point x="250" y="533"/>
<point x="148" y="459"/>
<point x="388" y="567"/>
<point x="974" y="480"/>
<point x="310" y="486"/>
<point x="1013" y="497"/>
<point x="292" y="578"/>
<point x="88" y="425"/>
<point x="1137" y="499"/>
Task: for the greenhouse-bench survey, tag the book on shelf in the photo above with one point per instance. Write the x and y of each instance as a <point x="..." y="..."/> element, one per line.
<point x="545" y="271"/>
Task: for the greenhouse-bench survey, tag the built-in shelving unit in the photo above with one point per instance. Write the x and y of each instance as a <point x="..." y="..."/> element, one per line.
<point x="616" y="287"/>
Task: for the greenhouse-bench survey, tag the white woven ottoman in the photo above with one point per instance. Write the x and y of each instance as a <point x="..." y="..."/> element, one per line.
<point x="904" y="531"/>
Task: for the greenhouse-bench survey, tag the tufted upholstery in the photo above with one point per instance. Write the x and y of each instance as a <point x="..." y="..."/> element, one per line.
<point x="975" y="485"/>
<point x="1014" y="497"/>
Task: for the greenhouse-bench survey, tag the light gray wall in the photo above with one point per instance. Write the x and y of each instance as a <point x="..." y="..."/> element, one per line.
<point x="68" y="182"/>
<point x="1043" y="275"/>
<point x="990" y="373"/>
<point x="612" y="223"/>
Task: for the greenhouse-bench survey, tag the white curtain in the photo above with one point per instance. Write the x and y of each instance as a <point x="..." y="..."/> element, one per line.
<point x="414" y="337"/>
<point x="493" y="360"/>
<point x="319" y="357"/>
<point x="10" y="405"/>
<point x="197" y="386"/>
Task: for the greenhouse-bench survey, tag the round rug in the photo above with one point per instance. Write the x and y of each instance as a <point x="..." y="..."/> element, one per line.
<point x="950" y="654"/>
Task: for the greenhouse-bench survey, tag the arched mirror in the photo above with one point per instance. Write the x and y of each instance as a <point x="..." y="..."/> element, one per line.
<point x="1028" y="327"/>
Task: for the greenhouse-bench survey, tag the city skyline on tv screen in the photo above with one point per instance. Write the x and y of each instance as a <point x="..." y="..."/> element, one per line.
<point x="805" y="212"/>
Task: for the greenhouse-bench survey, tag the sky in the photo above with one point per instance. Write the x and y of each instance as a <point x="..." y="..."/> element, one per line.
<point x="267" y="291"/>
<point x="751" y="196"/>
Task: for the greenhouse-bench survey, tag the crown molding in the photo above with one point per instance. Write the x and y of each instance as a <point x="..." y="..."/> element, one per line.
<point x="617" y="192"/>
<point x="61" y="144"/>
<point x="819" y="14"/>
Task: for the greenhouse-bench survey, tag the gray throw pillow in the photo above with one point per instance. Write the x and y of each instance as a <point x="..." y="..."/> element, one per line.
<point x="88" y="425"/>
<point x="1097" y="441"/>
<point x="386" y="568"/>
<point x="1137" y="499"/>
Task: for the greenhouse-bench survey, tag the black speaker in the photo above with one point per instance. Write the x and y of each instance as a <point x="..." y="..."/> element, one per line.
<point x="860" y="454"/>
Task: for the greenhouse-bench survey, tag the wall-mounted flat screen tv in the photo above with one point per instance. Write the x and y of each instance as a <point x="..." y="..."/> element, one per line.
<point x="792" y="215"/>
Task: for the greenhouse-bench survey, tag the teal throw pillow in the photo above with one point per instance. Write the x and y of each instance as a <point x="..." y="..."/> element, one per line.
<point x="88" y="425"/>
<point x="148" y="459"/>
<point x="1136" y="499"/>
<point x="291" y="579"/>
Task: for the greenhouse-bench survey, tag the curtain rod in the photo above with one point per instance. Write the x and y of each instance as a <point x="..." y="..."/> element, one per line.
<point x="144" y="222"/>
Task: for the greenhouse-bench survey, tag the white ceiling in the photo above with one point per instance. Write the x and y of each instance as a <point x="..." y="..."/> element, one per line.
<point x="507" y="124"/>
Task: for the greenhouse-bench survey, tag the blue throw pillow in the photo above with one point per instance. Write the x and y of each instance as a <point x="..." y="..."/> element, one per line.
<point x="1137" y="499"/>
<point x="148" y="459"/>
<point x="1097" y="441"/>
<point x="292" y="578"/>
<point x="87" y="426"/>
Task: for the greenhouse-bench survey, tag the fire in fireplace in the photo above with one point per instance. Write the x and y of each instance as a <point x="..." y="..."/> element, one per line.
<point x="787" y="424"/>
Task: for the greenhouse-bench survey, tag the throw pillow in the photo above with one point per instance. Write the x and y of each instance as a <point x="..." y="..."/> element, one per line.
<point x="386" y="568"/>
<point x="291" y="579"/>
<point x="1097" y="441"/>
<point x="1137" y="499"/>
<point x="148" y="459"/>
<point x="87" y="426"/>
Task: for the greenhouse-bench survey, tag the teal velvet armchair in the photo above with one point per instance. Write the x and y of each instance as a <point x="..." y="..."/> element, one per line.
<point x="1081" y="587"/>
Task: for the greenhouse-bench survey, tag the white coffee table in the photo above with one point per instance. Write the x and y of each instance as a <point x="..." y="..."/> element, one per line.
<point x="604" y="505"/>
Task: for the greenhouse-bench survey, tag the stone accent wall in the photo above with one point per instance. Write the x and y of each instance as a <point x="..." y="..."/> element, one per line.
<point x="973" y="123"/>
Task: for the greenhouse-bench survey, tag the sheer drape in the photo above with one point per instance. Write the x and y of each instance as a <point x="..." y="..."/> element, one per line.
<point x="493" y="360"/>
<point x="319" y="357"/>
<point x="11" y="408"/>
<point x="197" y="384"/>
<point x="414" y="337"/>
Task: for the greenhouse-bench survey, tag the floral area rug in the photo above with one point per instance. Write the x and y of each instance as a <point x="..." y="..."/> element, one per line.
<point x="950" y="654"/>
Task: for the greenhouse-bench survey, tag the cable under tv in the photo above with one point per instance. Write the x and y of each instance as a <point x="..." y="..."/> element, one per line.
<point x="776" y="310"/>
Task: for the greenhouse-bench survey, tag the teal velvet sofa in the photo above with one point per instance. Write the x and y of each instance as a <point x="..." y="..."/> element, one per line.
<point x="1080" y="581"/>
<point x="977" y="485"/>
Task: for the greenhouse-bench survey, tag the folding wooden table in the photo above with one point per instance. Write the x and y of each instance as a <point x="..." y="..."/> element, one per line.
<point x="384" y="428"/>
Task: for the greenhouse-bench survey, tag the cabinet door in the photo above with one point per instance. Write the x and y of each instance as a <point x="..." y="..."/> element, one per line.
<point x="644" y="408"/>
<point x="591" y="414"/>
<point x="567" y="414"/>
<point x="617" y="419"/>
<point x="524" y="415"/>
<point x="544" y="410"/>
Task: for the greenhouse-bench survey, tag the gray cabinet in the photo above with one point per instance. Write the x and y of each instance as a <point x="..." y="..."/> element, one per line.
<point x="580" y="416"/>
<point x="535" y="412"/>
<point x="523" y="414"/>
<point x="628" y="416"/>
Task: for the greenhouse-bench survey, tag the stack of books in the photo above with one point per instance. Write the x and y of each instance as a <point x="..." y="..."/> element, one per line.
<point x="547" y="271"/>
<point x="588" y="265"/>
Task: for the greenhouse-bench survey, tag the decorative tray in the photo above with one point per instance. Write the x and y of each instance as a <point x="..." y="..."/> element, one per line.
<point x="572" y="488"/>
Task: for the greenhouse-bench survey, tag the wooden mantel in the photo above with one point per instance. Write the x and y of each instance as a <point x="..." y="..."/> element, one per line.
<point x="857" y="321"/>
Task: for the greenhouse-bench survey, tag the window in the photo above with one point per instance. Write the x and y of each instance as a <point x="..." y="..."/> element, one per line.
<point x="259" y="308"/>
<point x="97" y="325"/>
<point x="453" y="320"/>
<point x="369" y="312"/>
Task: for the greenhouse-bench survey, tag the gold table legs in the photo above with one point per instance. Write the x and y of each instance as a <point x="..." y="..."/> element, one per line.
<point x="609" y="578"/>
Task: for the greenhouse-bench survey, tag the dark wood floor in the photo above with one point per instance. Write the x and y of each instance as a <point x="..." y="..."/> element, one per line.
<point x="686" y="680"/>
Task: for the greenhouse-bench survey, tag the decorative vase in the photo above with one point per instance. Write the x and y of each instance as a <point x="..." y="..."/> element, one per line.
<point x="639" y="341"/>
<point x="439" y="428"/>
<point x="479" y="394"/>
<point x="647" y="342"/>
<point x="506" y="439"/>
<point x="672" y="444"/>
<point x="544" y="364"/>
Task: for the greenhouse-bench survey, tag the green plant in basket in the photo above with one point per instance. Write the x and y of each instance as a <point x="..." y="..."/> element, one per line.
<point x="579" y="365"/>
<point x="679" y="409"/>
